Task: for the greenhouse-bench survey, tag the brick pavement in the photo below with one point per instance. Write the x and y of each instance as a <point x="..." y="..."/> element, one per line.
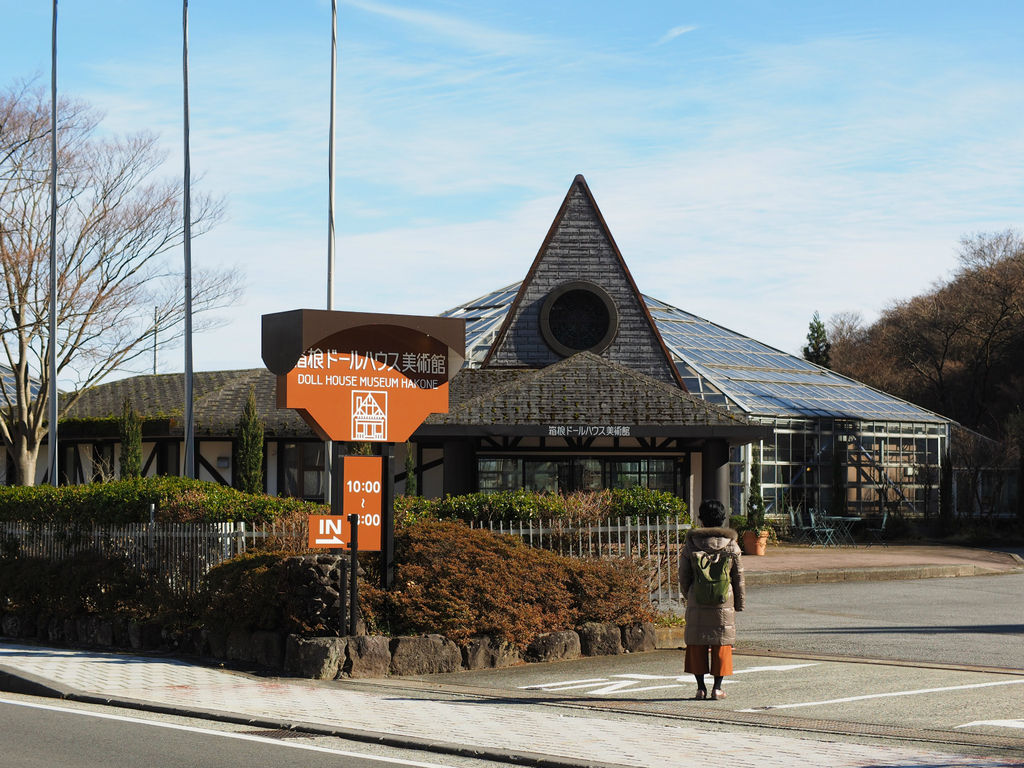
<point x="541" y="735"/>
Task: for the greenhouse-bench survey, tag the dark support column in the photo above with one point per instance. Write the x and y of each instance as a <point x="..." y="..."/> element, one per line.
<point x="459" y="467"/>
<point x="387" y="516"/>
<point x="714" y="478"/>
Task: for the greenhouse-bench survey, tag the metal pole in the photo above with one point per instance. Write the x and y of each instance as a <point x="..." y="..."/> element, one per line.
<point x="328" y="451"/>
<point x="155" y="330"/>
<point x="353" y="582"/>
<point x="190" y="469"/>
<point x="53" y="415"/>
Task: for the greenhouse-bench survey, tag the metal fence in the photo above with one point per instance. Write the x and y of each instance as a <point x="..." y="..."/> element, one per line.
<point x="656" y="543"/>
<point x="178" y="554"/>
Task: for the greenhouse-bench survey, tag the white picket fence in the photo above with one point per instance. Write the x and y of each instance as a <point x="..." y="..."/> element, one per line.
<point x="654" y="542"/>
<point x="180" y="554"/>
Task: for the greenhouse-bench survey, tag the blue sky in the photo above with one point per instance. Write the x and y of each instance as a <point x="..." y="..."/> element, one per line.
<point x="755" y="161"/>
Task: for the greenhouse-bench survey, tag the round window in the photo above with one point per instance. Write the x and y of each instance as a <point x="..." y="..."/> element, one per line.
<point x="578" y="316"/>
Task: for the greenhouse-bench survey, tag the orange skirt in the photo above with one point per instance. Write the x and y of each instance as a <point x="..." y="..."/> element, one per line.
<point x="697" y="660"/>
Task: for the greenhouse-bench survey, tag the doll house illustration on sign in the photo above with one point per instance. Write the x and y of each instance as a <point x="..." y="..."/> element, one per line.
<point x="369" y="415"/>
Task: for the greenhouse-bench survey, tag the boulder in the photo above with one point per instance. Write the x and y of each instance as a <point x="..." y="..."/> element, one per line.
<point x="554" y="646"/>
<point x="239" y="646"/>
<point x="104" y="635"/>
<point x="487" y="652"/>
<point x="600" y="639"/>
<point x="424" y="655"/>
<point x="10" y="625"/>
<point x="319" y="658"/>
<point x="267" y="649"/>
<point x="637" y="638"/>
<point x="367" y="656"/>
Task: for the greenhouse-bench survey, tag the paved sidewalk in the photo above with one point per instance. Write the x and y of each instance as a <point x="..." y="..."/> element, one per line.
<point x="787" y="564"/>
<point x="462" y="724"/>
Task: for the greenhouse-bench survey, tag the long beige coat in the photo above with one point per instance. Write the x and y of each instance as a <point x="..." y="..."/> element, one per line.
<point x="711" y="624"/>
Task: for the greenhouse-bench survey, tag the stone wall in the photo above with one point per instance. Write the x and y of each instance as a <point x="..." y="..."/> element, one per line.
<point x="328" y="658"/>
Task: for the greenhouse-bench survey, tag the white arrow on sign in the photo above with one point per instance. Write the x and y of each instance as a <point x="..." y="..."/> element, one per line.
<point x="333" y="540"/>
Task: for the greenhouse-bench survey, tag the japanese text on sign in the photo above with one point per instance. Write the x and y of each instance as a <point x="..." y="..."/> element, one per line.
<point x="588" y="430"/>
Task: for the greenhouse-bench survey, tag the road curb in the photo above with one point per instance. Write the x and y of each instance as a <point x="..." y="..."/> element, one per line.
<point x="868" y="573"/>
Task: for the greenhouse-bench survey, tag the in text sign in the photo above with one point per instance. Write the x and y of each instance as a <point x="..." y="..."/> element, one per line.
<point x="361" y="495"/>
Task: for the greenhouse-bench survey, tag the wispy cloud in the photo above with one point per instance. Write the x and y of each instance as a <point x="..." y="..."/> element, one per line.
<point x="675" y="32"/>
<point x="457" y="31"/>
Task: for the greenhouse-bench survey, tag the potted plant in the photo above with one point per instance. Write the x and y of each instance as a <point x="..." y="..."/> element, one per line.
<point x="755" y="533"/>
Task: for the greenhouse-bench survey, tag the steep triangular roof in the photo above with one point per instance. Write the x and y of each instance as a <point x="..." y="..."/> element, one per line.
<point x="580" y="247"/>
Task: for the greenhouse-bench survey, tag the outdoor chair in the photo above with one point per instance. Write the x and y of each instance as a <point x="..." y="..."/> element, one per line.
<point x="876" y="533"/>
<point x="821" y="531"/>
<point x="799" y="530"/>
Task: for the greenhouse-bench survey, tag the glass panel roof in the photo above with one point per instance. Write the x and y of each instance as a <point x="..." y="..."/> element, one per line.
<point x="723" y="366"/>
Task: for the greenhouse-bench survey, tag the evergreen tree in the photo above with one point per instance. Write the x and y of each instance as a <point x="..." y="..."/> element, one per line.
<point x="249" y="463"/>
<point x="130" y="429"/>
<point x="818" y="346"/>
<point x="755" y="501"/>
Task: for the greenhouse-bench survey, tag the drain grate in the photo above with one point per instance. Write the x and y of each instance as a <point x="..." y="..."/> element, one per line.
<point x="280" y="733"/>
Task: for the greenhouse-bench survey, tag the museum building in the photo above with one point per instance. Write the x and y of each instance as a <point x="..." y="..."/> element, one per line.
<point x="574" y="380"/>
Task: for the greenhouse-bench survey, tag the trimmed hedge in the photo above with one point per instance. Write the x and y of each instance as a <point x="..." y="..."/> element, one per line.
<point x="177" y="500"/>
<point x="459" y="582"/>
<point x="584" y="507"/>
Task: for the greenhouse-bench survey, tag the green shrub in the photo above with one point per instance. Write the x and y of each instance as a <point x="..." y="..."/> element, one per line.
<point x="461" y="582"/>
<point x="176" y="499"/>
<point x="584" y="507"/>
<point x="249" y="592"/>
<point x="85" y="583"/>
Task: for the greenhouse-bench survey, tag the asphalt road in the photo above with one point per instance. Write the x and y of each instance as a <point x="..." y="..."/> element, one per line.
<point x="45" y="733"/>
<point x="975" y="621"/>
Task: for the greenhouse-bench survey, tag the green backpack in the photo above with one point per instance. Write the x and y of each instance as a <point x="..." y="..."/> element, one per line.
<point x="710" y="577"/>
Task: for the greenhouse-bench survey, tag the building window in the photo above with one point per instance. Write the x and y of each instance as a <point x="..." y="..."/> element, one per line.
<point x="168" y="458"/>
<point x="494" y="474"/>
<point x="302" y="470"/>
<point x="577" y="473"/>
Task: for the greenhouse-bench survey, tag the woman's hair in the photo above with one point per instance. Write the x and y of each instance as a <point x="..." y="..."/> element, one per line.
<point x="711" y="513"/>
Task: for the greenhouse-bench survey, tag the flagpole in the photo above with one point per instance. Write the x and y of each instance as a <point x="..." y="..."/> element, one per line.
<point x="53" y="409"/>
<point x="190" y="470"/>
<point x="329" y="445"/>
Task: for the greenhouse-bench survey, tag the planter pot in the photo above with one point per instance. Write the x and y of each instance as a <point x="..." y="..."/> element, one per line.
<point x="754" y="542"/>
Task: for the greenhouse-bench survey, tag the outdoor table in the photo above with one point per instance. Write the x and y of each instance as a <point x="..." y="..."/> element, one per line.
<point x="843" y="526"/>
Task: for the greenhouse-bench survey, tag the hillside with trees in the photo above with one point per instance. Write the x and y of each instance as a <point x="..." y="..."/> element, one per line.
<point x="957" y="349"/>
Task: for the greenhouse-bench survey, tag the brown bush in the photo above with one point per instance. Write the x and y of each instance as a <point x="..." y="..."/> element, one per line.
<point x="460" y="582"/>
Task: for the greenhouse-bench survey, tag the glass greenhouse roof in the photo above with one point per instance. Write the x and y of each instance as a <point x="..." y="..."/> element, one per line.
<point x="723" y="367"/>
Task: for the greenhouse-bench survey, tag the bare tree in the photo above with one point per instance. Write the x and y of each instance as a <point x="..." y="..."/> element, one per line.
<point x="115" y="227"/>
<point x="957" y="349"/>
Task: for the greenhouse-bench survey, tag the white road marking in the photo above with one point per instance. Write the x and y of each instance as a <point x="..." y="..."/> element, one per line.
<point x="565" y="682"/>
<point x="997" y="723"/>
<point x="225" y="734"/>
<point x="778" y="668"/>
<point x="602" y="686"/>
<point x="883" y="695"/>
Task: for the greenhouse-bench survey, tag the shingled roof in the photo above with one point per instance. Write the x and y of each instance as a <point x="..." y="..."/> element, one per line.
<point x="581" y="389"/>
<point x="219" y="399"/>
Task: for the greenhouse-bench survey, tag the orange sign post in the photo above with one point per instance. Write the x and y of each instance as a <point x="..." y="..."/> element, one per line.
<point x="360" y="377"/>
<point x="361" y="495"/>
